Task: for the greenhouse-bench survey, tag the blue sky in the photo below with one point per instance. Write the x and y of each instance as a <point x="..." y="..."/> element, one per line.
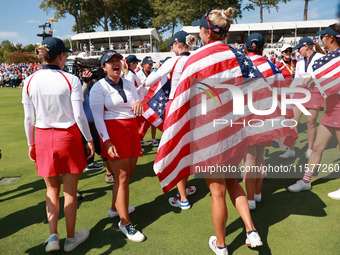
<point x="20" y="19"/>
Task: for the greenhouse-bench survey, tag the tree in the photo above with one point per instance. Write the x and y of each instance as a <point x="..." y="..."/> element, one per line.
<point x="22" y="57"/>
<point x="168" y="13"/>
<point x="62" y="7"/>
<point x="29" y="48"/>
<point x="126" y="15"/>
<point x="264" y="4"/>
<point x="96" y="14"/>
<point x="305" y="11"/>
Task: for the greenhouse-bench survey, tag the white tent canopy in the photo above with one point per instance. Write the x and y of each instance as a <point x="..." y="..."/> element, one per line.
<point x="135" y="36"/>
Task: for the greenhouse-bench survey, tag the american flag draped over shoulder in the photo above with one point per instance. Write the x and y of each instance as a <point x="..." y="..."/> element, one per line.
<point x="188" y="138"/>
<point x="327" y="73"/>
<point x="266" y="67"/>
<point x="155" y="101"/>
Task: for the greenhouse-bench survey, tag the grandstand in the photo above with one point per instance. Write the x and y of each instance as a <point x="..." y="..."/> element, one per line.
<point x="275" y="34"/>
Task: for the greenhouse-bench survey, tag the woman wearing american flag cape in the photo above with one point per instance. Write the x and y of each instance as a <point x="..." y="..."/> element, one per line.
<point x="172" y="68"/>
<point x="254" y="155"/>
<point x="326" y="73"/>
<point x="191" y="141"/>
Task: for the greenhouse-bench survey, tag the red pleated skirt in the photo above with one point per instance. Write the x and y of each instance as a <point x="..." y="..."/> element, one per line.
<point x="124" y="135"/>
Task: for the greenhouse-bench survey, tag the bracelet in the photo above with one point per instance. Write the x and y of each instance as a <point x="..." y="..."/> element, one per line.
<point x="107" y="142"/>
<point x="155" y="69"/>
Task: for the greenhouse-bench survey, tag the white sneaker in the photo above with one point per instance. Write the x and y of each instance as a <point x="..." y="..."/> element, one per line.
<point x="190" y="190"/>
<point x="214" y="248"/>
<point x="252" y="205"/>
<point x="144" y="143"/>
<point x="79" y="237"/>
<point x="288" y="154"/>
<point x="334" y="194"/>
<point x="253" y="239"/>
<point x="300" y="185"/>
<point x="309" y="151"/>
<point x="176" y="202"/>
<point x="131" y="233"/>
<point x="52" y="243"/>
<point x="154" y="142"/>
<point x="112" y="214"/>
<point x="258" y="197"/>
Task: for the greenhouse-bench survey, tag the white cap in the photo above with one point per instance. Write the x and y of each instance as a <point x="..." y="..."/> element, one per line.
<point x="286" y="46"/>
<point x="83" y="55"/>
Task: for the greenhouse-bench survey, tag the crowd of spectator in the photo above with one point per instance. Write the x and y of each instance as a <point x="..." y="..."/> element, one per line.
<point x="13" y="75"/>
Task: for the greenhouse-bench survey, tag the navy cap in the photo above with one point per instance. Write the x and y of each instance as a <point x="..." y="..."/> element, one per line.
<point x="304" y="41"/>
<point x="255" y="39"/>
<point x="147" y="60"/>
<point x="180" y="36"/>
<point x="204" y="22"/>
<point x="55" y="46"/>
<point x="109" y="54"/>
<point x="329" y="31"/>
<point x="132" y="59"/>
<point x="162" y="61"/>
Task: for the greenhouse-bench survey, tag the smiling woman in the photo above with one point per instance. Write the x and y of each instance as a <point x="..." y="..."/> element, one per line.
<point x="115" y="104"/>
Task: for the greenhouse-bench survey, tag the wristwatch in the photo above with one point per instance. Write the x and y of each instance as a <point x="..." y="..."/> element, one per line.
<point x="107" y="142"/>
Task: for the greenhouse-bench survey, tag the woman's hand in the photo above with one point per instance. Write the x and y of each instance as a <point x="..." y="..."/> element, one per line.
<point x="111" y="150"/>
<point x="90" y="149"/>
<point x="308" y="82"/>
<point x="137" y="108"/>
<point x="31" y="152"/>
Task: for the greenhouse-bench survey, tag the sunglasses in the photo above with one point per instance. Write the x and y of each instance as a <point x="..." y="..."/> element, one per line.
<point x="288" y="51"/>
<point x="325" y="35"/>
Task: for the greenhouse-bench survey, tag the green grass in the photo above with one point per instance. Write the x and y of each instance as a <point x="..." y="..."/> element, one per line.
<point x="303" y="223"/>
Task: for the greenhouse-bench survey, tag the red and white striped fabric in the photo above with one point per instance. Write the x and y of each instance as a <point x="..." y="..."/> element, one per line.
<point x="189" y="139"/>
<point x="327" y="73"/>
<point x="266" y="67"/>
<point x="151" y="114"/>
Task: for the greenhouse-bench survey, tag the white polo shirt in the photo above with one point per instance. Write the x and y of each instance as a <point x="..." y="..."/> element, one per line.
<point x="52" y="99"/>
<point x="142" y="91"/>
<point x="104" y="95"/>
<point x="166" y="69"/>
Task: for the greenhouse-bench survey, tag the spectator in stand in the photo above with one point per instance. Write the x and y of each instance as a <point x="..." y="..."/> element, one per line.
<point x="120" y="46"/>
<point x="85" y="47"/>
<point x="91" y="49"/>
<point x="112" y="46"/>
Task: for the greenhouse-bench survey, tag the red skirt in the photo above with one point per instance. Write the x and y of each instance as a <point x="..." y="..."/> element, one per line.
<point x="59" y="151"/>
<point x="316" y="102"/>
<point x="124" y="135"/>
<point x="331" y="118"/>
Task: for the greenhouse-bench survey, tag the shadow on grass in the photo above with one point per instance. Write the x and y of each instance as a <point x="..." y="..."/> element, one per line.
<point x="148" y="213"/>
<point x="26" y="189"/>
<point x="21" y="219"/>
<point x="101" y="236"/>
<point x="275" y="207"/>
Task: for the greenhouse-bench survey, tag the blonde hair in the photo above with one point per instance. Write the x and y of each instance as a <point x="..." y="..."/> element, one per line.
<point x="190" y="40"/>
<point x="125" y="67"/>
<point x="222" y="19"/>
<point x="43" y="54"/>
